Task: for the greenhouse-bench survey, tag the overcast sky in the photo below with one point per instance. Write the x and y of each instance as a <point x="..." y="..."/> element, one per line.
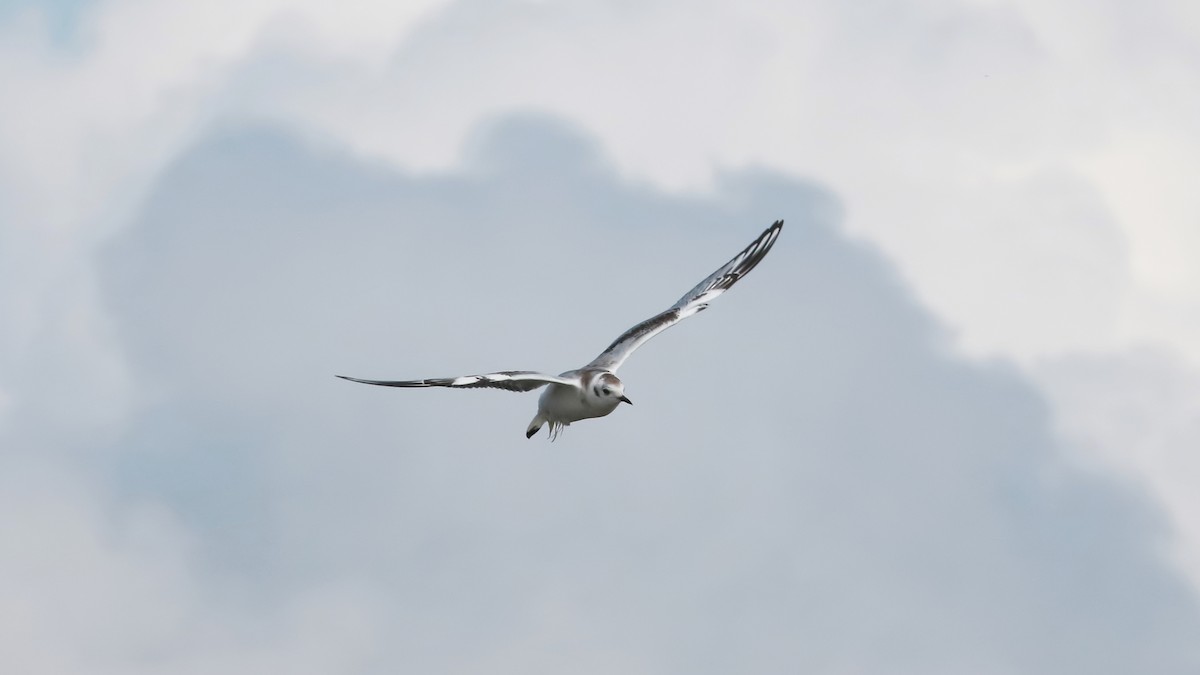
<point x="947" y="426"/>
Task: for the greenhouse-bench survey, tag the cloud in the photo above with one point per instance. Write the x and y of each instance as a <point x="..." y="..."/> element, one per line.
<point x="980" y="144"/>
<point x="1136" y="414"/>
<point x="91" y="117"/>
<point x="96" y="585"/>
<point x="1022" y="164"/>
<point x="810" y="479"/>
<point x="1042" y="140"/>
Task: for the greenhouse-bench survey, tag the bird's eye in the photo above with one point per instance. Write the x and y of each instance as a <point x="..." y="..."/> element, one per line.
<point x="607" y="391"/>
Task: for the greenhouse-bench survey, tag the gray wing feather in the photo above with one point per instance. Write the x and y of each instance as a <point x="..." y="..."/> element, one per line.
<point x="692" y="302"/>
<point x="509" y="380"/>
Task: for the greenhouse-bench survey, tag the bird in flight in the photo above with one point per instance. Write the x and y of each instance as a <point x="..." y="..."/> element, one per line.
<point x="595" y="390"/>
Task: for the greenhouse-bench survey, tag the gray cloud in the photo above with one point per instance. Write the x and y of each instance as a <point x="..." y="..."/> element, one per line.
<point x="809" y="481"/>
<point x="1136" y="414"/>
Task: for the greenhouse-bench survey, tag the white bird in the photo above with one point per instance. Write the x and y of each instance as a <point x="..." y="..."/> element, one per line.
<point x="595" y="390"/>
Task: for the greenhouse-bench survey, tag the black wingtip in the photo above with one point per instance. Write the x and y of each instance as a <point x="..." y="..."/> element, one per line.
<point x="531" y="432"/>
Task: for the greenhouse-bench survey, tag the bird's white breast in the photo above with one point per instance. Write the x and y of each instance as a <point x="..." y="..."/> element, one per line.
<point x="565" y="404"/>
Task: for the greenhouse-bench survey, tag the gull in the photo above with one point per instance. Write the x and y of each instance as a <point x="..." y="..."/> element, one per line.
<point x="595" y="390"/>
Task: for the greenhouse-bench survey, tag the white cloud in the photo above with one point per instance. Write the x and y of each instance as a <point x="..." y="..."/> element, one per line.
<point x="830" y="491"/>
<point x="1029" y="165"/>
<point x="94" y="586"/>
<point x="88" y="126"/>
<point x="915" y="112"/>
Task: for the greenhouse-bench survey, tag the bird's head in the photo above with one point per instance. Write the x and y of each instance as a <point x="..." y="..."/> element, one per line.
<point x="609" y="387"/>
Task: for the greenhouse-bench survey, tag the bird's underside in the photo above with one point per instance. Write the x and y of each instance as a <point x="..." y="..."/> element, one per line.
<point x="595" y="390"/>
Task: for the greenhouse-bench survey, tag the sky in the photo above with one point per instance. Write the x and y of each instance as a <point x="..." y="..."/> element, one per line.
<point x="948" y="425"/>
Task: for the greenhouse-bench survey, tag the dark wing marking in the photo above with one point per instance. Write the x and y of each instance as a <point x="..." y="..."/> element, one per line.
<point x="692" y="302"/>
<point x="510" y="380"/>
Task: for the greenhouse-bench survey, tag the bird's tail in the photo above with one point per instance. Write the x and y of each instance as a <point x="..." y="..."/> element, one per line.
<point x="535" y="425"/>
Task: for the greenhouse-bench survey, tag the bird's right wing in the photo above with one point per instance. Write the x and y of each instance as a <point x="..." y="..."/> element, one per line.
<point x="510" y="380"/>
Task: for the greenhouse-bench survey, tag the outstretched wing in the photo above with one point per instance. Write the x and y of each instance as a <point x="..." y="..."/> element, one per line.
<point x="693" y="301"/>
<point x="511" y="380"/>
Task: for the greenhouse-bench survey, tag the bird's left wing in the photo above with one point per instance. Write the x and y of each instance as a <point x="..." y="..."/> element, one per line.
<point x="510" y="380"/>
<point x="692" y="302"/>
